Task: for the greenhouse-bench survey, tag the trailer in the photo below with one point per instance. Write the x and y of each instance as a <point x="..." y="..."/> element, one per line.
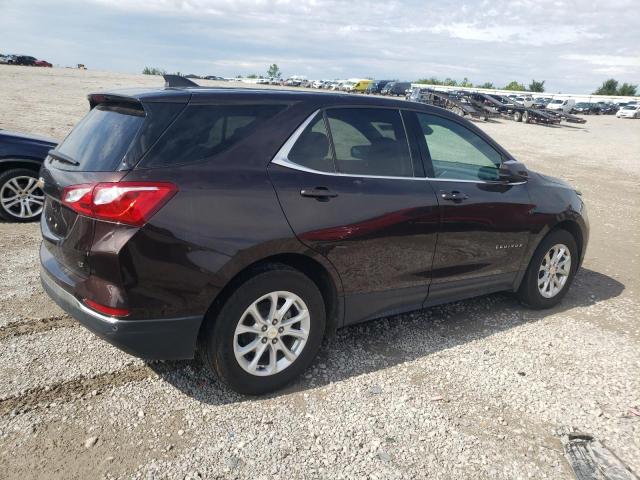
<point x="515" y="110"/>
<point x="453" y="102"/>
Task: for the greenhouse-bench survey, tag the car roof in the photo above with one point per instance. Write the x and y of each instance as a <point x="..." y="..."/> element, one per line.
<point x="201" y="95"/>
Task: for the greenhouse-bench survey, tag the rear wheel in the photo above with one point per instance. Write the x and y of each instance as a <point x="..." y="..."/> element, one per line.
<point x="268" y="331"/>
<point x="550" y="271"/>
<point x="21" y="199"/>
<point x="525" y="117"/>
<point x="517" y="116"/>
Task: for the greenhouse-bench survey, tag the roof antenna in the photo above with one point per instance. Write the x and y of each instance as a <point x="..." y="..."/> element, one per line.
<point x="178" y="81"/>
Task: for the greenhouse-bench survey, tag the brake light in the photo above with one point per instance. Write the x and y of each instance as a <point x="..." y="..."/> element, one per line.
<point x="132" y="203"/>
<point x="113" y="312"/>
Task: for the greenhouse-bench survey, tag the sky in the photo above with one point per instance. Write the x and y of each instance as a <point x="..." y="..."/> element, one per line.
<point x="572" y="45"/>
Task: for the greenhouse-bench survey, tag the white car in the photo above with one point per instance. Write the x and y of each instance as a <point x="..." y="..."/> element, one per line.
<point x="629" y="111"/>
<point x="317" y="84"/>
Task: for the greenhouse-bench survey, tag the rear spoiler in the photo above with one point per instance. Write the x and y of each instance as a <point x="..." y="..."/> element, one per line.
<point x="171" y="81"/>
<point x="98" y="98"/>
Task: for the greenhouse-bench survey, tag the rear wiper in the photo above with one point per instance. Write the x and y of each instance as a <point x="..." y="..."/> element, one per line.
<point x="61" y="157"/>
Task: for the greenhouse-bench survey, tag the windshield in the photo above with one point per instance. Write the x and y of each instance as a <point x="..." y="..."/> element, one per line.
<point x="99" y="142"/>
<point x="556" y="101"/>
<point x="629" y="107"/>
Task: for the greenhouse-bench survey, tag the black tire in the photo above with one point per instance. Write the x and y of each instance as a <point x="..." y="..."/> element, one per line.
<point x="529" y="293"/>
<point x="218" y="340"/>
<point x="525" y="117"/>
<point x="5" y="177"/>
<point x="517" y="116"/>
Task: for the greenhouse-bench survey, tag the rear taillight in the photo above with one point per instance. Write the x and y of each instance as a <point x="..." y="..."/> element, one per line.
<point x="132" y="203"/>
<point x="111" y="311"/>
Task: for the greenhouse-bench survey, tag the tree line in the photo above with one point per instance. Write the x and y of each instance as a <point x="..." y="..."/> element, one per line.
<point x="608" y="87"/>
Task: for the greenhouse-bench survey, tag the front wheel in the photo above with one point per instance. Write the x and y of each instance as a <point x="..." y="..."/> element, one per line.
<point x="21" y="199"/>
<point x="267" y="332"/>
<point x="550" y="271"/>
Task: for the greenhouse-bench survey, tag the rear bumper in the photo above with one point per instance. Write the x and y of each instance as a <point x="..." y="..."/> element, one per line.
<point x="162" y="339"/>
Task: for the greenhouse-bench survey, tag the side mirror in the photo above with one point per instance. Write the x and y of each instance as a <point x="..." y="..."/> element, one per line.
<point x="361" y="152"/>
<point x="513" y="171"/>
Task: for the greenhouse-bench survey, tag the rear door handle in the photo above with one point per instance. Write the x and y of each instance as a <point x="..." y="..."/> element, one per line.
<point x="454" y="196"/>
<point x="320" y="193"/>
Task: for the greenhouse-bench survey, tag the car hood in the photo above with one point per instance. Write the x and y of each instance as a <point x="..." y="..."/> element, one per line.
<point x="8" y="135"/>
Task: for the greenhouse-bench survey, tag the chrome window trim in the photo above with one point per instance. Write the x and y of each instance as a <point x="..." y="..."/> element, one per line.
<point x="281" y="158"/>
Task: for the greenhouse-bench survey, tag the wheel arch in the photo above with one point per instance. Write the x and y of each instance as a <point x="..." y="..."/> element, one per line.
<point x="18" y="162"/>
<point x="571" y="226"/>
<point x="328" y="284"/>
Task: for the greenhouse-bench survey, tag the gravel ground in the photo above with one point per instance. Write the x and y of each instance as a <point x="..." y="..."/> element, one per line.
<point x="474" y="389"/>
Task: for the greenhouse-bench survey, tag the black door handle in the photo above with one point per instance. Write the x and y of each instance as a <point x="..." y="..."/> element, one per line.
<point x="454" y="196"/>
<point x="319" y="193"/>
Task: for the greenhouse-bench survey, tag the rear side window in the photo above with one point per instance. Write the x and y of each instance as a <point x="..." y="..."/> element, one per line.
<point x="370" y="141"/>
<point x="101" y="139"/>
<point x="202" y="131"/>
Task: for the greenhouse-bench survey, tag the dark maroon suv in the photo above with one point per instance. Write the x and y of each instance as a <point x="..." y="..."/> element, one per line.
<point x="249" y="224"/>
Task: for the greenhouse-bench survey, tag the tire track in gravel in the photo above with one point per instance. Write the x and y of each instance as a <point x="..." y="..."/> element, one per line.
<point x="36" y="326"/>
<point x="80" y="387"/>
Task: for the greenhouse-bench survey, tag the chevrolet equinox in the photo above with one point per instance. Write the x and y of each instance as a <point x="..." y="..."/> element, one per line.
<point x="247" y="224"/>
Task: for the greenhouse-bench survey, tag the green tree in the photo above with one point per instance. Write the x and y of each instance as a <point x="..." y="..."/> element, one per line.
<point x="627" y="90"/>
<point x="429" y="81"/>
<point x="466" y="83"/>
<point x="608" y="87"/>
<point x="450" y="82"/>
<point x="153" y="71"/>
<point x="486" y="85"/>
<point x="518" y="87"/>
<point x="253" y="75"/>
<point x="536" y="86"/>
<point x="274" y="71"/>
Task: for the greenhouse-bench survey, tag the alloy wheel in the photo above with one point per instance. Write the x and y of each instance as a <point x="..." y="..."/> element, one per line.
<point x="271" y="333"/>
<point x="554" y="271"/>
<point x="21" y="197"/>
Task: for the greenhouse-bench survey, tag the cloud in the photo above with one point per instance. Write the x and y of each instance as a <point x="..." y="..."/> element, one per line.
<point x="484" y="40"/>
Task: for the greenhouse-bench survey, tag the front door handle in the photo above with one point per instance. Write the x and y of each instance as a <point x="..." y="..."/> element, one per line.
<point x="320" y="193"/>
<point x="454" y="196"/>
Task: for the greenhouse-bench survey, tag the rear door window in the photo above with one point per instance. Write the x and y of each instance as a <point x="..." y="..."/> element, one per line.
<point x="370" y="141"/>
<point x="101" y="139"/>
<point x="312" y="149"/>
<point x="202" y="131"/>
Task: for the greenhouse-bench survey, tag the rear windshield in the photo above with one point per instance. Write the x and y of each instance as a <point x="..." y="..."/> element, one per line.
<point x="101" y="139"/>
<point x="202" y="131"/>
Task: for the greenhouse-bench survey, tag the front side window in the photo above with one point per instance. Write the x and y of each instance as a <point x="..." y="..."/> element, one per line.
<point x="370" y="141"/>
<point x="456" y="152"/>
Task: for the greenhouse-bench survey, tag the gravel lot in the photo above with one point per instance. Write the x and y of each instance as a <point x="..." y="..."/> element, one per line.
<point x="474" y="389"/>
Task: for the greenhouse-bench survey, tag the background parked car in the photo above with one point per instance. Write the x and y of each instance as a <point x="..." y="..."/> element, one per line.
<point x="397" y="89"/>
<point x="25" y="60"/>
<point x="607" y="108"/>
<point x="376" y="86"/>
<point x="629" y="111"/>
<point x="561" y="105"/>
<point x="4" y="59"/>
<point x="586" y="108"/>
<point x="42" y="63"/>
<point x="361" y="85"/>
<point x="21" y="156"/>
